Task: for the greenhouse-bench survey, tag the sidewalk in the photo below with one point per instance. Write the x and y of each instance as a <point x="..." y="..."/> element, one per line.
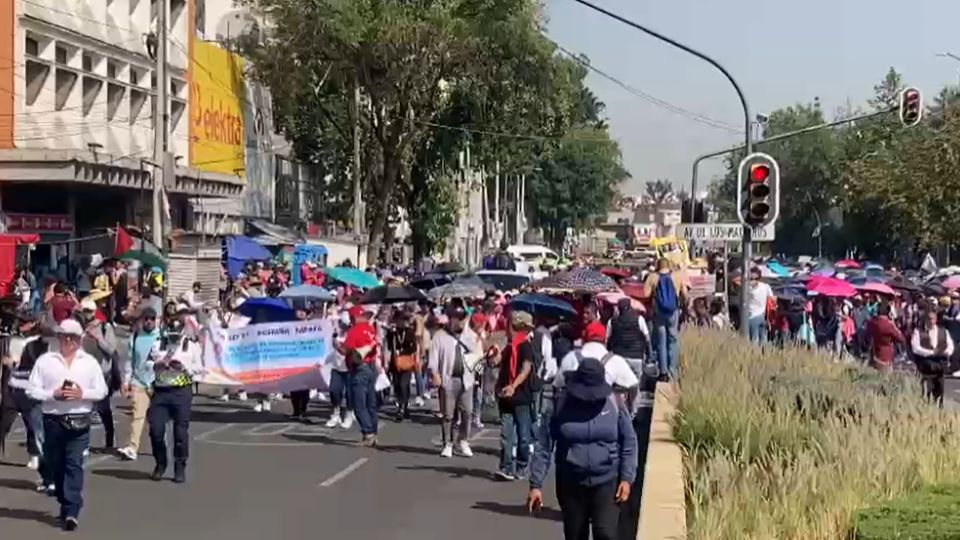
<point x="663" y="513"/>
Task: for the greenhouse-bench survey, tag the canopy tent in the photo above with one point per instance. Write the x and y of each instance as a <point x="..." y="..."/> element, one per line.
<point x="307" y="252"/>
<point x="8" y="256"/>
<point x="240" y="249"/>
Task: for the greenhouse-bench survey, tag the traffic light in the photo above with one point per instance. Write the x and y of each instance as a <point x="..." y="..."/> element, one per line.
<point x="758" y="196"/>
<point x="911" y="106"/>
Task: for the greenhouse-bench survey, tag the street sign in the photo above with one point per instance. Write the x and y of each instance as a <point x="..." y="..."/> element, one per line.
<point x="722" y="232"/>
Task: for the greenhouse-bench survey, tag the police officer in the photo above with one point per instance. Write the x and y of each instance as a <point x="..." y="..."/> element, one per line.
<point x="171" y="401"/>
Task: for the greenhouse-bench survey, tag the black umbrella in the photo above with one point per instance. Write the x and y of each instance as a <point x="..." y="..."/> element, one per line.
<point x="429" y="281"/>
<point x="392" y="294"/>
<point x="903" y="284"/>
<point x="448" y="268"/>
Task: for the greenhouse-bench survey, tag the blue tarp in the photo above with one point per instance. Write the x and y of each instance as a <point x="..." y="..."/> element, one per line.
<point x="239" y="250"/>
<point x="307" y="252"/>
<point x="778" y="269"/>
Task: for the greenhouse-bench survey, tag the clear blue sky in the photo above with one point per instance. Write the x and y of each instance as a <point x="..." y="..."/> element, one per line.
<point x="788" y="52"/>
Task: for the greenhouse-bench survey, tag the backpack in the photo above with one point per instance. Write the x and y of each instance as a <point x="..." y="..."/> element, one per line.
<point x="665" y="301"/>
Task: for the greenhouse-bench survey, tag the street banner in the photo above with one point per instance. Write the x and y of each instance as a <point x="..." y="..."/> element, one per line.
<point x="269" y="358"/>
<point x="701" y="286"/>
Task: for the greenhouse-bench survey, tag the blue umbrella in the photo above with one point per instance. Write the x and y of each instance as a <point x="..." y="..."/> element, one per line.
<point x="267" y="310"/>
<point x="353" y="276"/>
<point x="537" y="303"/>
<point x="778" y="269"/>
<point x="310" y="292"/>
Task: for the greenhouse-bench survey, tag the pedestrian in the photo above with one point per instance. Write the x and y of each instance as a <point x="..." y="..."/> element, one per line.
<point x="760" y="294"/>
<point x="341" y="392"/>
<point x="100" y="342"/>
<point x="23" y="354"/>
<point x="882" y="338"/>
<point x="515" y="397"/>
<point x="630" y="339"/>
<point x="138" y="377"/>
<point x="360" y="348"/>
<point x="451" y="365"/>
<point x="668" y="292"/>
<point x="932" y="347"/>
<point x="300" y="398"/>
<point x="596" y="456"/>
<point x="404" y="351"/>
<point x="68" y="383"/>
<point x="171" y="400"/>
<point x="618" y="371"/>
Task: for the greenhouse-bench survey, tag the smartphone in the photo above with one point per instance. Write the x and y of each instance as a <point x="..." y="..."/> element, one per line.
<point x="67" y="384"/>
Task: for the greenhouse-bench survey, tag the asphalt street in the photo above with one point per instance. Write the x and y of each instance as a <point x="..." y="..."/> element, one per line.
<point x="257" y="475"/>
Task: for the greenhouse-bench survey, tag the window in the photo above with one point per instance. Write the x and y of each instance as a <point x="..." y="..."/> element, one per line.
<point x="36" y="75"/>
<point x="134" y="76"/>
<point x="87" y="63"/>
<point x="137" y="100"/>
<point x="91" y="89"/>
<point x="111" y="70"/>
<point x="65" y="81"/>
<point x="61" y="55"/>
<point x="31" y="47"/>
<point x="115" y="94"/>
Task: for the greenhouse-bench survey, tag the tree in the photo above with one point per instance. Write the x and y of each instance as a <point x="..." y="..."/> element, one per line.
<point x="658" y="191"/>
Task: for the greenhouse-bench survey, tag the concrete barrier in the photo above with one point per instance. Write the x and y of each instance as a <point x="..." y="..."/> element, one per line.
<point x="663" y="512"/>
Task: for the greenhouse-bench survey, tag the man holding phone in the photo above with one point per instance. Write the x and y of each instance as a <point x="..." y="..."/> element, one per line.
<point x="68" y="383"/>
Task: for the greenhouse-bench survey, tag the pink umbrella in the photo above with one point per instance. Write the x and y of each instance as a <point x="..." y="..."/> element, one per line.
<point x="952" y="282"/>
<point x="614" y="297"/>
<point x="847" y="263"/>
<point x="879" y="288"/>
<point x="832" y="287"/>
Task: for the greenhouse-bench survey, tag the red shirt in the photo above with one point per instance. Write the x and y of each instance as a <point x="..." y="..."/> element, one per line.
<point x="362" y="335"/>
<point x="62" y="307"/>
<point x="883" y="335"/>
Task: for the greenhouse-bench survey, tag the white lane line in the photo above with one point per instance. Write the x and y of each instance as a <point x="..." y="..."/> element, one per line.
<point x="342" y="474"/>
<point x="209" y="432"/>
<point x="267" y="430"/>
<point x="90" y="462"/>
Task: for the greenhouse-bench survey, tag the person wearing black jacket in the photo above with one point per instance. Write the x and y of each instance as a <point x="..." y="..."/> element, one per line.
<point x="23" y="353"/>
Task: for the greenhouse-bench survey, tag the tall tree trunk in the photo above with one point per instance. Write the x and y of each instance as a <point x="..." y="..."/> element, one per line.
<point x="391" y="170"/>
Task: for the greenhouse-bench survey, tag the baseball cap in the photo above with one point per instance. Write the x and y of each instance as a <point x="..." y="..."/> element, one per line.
<point x="595" y="332"/>
<point x="70" y="327"/>
<point x="521" y="318"/>
<point x="88" y="304"/>
<point x="356" y="311"/>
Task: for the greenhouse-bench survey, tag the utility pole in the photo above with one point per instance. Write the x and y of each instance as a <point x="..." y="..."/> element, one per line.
<point x="160" y="124"/>
<point x="357" y="193"/>
<point x="496" y="205"/>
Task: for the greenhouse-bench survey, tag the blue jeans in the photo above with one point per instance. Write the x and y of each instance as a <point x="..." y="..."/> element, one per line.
<point x="418" y="378"/>
<point x="170" y="404"/>
<point x="516" y="434"/>
<point x="665" y="330"/>
<point x="63" y="464"/>
<point x="365" y="398"/>
<point x="757" y="327"/>
<point x="341" y="393"/>
<point x="29" y="409"/>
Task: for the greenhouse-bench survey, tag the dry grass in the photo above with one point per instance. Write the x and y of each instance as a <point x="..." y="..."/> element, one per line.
<point x="787" y="445"/>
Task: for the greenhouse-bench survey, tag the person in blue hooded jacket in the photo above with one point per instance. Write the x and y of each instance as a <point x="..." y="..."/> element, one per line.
<point x="595" y="450"/>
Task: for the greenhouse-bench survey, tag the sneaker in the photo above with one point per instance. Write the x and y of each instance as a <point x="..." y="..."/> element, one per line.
<point x="477" y="423"/>
<point x="127" y="453"/>
<point x="464" y="448"/>
<point x="334" y="420"/>
<point x="323" y="397"/>
<point x="347" y="420"/>
<point x="43" y="488"/>
<point x="447" y="450"/>
<point x="179" y="474"/>
<point x="224" y="398"/>
<point x="158" y="473"/>
<point x="266" y="406"/>
<point x="242" y="396"/>
<point x="956" y="373"/>
<point x="34" y="463"/>
<point x="258" y="407"/>
<point x="504" y="476"/>
<point x="419" y="402"/>
<point x="86" y="453"/>
<point x="313" y="394"/>
<point x="70" y="524"/>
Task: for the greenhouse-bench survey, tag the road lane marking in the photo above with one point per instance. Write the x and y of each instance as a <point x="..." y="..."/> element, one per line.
<point x="217" y="429"/>
<point x="263" y="444"/>
<point x="267" y="430"/>
<point x="90" y="462"/>
<point x="343" y="474"/>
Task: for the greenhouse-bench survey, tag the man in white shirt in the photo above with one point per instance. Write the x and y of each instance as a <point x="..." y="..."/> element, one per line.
<point x="67" y="383"/>
<point x="760" y="294"/>
<point x="455" y="352"/>
<point x="619" y="373"/>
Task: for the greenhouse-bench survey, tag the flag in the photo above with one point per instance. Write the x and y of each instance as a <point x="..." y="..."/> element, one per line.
<point x="122" y="242"/>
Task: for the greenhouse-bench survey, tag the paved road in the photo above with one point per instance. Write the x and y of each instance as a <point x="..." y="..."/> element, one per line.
<point x="258" y="476"/>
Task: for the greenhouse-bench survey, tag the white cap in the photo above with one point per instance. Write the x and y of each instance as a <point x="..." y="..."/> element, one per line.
<point x="70" y="327"/>
<point x="87" y="304"/>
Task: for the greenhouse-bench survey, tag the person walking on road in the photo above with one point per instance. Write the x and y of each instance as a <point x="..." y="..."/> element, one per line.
<point x="668" y="292"/>
<point x="760" y="295"/>
<point x="454" y="354"/>
<point x="138" y="378"/>
<point x="341" y="393"/>
<point x="171" y="400"/>
<point x="932" y="347"/>
<point x="23" y="354"/>
<point x="100" y="342"/>
<point x="596" y="456"/>
<point x="404" y="350"/>
<point x="68" y="383"/>
<point x="360" y="348"/>
<point x="515" y="397"/>
<point x="629" y="339"/>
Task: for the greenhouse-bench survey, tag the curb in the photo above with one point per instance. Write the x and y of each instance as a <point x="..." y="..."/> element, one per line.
<point x="663" y="512"/>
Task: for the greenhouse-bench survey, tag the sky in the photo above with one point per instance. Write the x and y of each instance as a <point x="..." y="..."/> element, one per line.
<point x="781" y="52"/>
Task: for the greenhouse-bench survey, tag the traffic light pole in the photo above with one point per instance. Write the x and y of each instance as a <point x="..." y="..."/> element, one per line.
<point x="748" y="139"/>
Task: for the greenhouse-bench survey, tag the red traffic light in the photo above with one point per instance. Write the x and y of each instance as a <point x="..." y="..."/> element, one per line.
<point x="911" y="106"/>
<point x="759" y="173"/>
<point x="911" y="96"/>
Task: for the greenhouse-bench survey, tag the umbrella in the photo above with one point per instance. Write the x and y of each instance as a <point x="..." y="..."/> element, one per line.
<point x="879" y="288"/>
<point x="147" y="258"/>
<point x="934" y="289"/>
<point x="457" y="289"/>
<point x="847" y="263"/>
<point x="537" y="304"/>
<point x="448" y="268"/>
<point x="791" y="293"/>
<point x="429" y="281"/>
<point x="309" y="292"/>
<point x="615" y="297"/>
<point x="267" y="310"/>
<point x="952" y="282"/>
<point x="904" y="284"/>
<point x="831" y="287"/>
<point x="580" y="279"/>
<point x="633" y="289"/>
<point x="352" y="276"/>
<point x="392" y="294"/>
<point x="778" y="269"/>
<point x="615" y="273"/>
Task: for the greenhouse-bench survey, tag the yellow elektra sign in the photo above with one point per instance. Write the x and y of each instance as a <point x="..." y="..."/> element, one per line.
<point x="216" y="109"/>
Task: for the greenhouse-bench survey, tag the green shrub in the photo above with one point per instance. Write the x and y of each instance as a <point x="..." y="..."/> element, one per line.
<point x="787" y="444"/>
<point x="932" y="513"/>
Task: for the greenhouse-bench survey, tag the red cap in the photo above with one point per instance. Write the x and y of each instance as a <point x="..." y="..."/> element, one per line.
<point x="478" y="318"/>
<point x="355" y="312"/>
<point x="595" y="331"/>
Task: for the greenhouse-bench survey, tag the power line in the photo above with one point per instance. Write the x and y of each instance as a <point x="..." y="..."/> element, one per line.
<point x="695" y="116"/>
<point x="515" y="135"/>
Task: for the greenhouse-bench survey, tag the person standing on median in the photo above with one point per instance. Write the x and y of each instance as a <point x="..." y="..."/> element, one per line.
<point x="68" y="382"/>
<point x="595" y="450"/>
<point x="138" y="377"/>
